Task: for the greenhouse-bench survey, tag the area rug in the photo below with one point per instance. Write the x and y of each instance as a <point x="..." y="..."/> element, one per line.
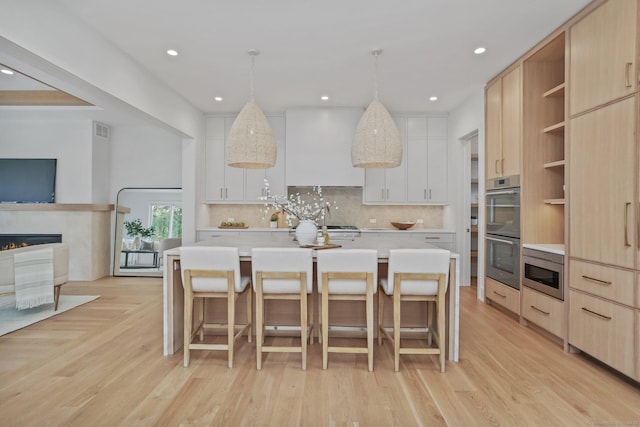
<point x="12" y="319"/>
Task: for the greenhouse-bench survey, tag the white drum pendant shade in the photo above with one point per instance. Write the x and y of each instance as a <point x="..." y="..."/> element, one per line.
<point x="251" y="143"/>
<point x="377" y="143"/>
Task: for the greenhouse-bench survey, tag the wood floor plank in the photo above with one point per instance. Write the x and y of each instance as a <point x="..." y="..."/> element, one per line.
<point x="101" y="364"/>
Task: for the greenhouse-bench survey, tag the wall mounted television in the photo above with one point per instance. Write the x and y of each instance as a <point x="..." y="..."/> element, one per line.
<point x="27" y="180"/>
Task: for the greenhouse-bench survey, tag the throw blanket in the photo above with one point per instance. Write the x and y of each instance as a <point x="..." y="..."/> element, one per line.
<point x="33" y="272"/>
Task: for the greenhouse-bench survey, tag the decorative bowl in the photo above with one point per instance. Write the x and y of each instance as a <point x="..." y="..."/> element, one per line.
<point x="403" y="225"/>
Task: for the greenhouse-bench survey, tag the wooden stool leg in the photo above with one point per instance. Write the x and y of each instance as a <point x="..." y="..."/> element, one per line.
<point x="303" y="323"/>
<point x="311" y="317"/>
<point x="259" y="320"/>
<point x="369" y="309"/>
<point x="249" y="291"/>
<point x="325" y="321"/>
<point x="231" y="317"/>
<point x="396" y="328"/>
<point x="431" y="316"/>
<point x="188" y="323"/>
<point x="380" y="315"/>
<point x="203" y="303"/>
<point x="441" y="333"/>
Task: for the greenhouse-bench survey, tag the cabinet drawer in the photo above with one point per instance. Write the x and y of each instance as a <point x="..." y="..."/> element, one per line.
<point x="602" y="329"/>
<point x="543" y="310"/>
<point x="441" y="240"/>
<point x="607" y="282"/>
<point x="502" y="295"/>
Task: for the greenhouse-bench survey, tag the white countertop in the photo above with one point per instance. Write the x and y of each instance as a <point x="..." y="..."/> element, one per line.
<point x="246" y="242"/>
<point x="554" y="248"/>
<point x="363" y="230"/>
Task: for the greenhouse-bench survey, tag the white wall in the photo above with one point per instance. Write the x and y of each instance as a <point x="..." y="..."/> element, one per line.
<point x="67" y="141"/>
<point x="144" y="156"/>
<point x="465" y="119"/>
<point x="100" y="168"/>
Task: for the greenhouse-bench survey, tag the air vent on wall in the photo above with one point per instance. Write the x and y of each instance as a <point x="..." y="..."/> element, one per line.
<point x="101" y="130"/>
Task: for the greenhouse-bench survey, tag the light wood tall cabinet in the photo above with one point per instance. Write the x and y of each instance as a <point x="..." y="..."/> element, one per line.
<point x="603" y="55"/>
<point x="503" y="136"/>
<point x="604" y="217"/>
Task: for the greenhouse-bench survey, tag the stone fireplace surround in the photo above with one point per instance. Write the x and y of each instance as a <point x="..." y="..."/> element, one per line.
<point x="86" y="228"/>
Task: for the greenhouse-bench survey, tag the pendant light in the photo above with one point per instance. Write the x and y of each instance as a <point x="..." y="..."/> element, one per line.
<point x="377" y="143"/>
<point x="251" y="144"/>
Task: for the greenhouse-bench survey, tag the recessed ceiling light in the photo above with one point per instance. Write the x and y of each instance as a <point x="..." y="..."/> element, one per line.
<point x="172" y="52"/>
<point x="218" y="98"/>
<point x="479" y="50"/>
<point x="5" y="71"/>
<point x="433" y="98"/>
<point x="324" y="97"/>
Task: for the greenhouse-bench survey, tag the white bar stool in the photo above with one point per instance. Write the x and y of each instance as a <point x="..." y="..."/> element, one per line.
<point x="347" y="274"/>
<point x="212" y="272"/>
<point x="416" y="275"/>
<point x="284" y="274"/>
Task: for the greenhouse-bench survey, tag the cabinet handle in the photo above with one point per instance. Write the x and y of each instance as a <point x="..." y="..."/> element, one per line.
<point x="627" y="74"/>
<point x="425" y="194"/>
<point x="593" y="313"/>
<point x="626" y="224"/>
<point x="429" y="194"/>
<point x="495" y="166"/>
<point x="382" y="193"/>
<point x="226" y="193"/>
<point x="598" y="281"/>
<point x="387" y="194"/>
<point x="221" y="192"/>
<point x="502" y="166"/>
<point x="432" y="238"/>
<point x="539" y="311"/>
<point x="499" y="294"/>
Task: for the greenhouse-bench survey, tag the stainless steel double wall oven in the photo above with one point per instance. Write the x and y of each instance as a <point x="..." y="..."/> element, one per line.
<point x="503" y="230"/>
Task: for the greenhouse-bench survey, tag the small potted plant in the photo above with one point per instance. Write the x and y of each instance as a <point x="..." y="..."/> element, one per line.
<point x="136" y="230"/>
<point x="273" y="222"/>
<point x="474" y="220"/>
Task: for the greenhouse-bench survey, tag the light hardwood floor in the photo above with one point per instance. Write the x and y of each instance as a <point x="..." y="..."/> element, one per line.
<point x="101" y="364"/>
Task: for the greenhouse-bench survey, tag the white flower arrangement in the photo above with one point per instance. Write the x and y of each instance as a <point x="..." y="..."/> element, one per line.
<point x="310" y="206"/>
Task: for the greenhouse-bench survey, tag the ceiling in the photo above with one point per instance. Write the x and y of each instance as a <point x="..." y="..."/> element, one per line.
<point x="309" y="49"/>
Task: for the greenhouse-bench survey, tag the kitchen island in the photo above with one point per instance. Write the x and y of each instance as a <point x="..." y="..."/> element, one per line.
<point x="173" y="291"/>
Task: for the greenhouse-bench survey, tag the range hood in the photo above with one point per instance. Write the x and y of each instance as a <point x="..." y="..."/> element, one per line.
<point x="318" y="144"/>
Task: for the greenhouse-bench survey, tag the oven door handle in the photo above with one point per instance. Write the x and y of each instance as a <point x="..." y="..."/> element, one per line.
<point x="500" y="193"/>
<point x="508" y="242"/>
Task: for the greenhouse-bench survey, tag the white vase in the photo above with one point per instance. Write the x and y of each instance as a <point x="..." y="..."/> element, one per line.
<point x="137" y="243"/>
<point x="306" y="232"/>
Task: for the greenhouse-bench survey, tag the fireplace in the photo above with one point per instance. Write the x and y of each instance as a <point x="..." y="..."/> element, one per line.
<point x="10" y="241"/>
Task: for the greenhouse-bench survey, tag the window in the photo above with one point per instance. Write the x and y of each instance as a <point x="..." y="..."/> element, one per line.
<point x="166" y="219"/>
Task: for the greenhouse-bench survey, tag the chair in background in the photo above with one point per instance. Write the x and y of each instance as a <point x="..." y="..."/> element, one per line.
<point x="416" y="275"/>
<point x="285" y="274"/>
<point x="347" y="274"/>
<point x="212" y="272"/>
<point x="165" y="244"/>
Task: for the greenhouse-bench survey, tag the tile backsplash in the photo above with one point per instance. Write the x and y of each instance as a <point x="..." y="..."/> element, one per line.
<point x="350" y="211"/>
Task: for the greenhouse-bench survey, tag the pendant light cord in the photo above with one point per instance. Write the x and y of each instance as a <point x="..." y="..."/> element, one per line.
<point x="375" y="75"/>
<point x="252" y="53"/>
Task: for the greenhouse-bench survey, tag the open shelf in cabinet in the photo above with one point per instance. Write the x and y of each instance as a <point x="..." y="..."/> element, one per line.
<point x="543" y="150"/>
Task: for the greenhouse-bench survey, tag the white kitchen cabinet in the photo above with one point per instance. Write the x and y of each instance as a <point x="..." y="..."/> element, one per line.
<point x="224" y="184"/>
<point x="319" y="147"/>
<point x="427" y="157"/>
<point x="388" y="185"/>
<point x="422" y="176"/>
<point x="254" y="178"/>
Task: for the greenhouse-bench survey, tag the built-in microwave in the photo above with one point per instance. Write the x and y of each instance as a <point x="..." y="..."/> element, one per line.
<point x="543" y="271"/>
